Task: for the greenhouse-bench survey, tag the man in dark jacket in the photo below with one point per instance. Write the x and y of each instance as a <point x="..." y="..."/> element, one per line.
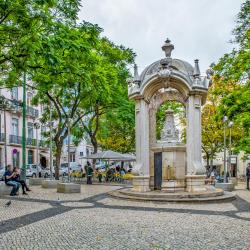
<point x="248" y="174"/>
<point x="89" y="174"/>
<point x="9" y="175"/>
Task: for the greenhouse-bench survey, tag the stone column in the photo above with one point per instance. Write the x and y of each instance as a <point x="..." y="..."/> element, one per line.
<point x="141" y="182"/>
<point x="195" y="177"/>
<point x="152" y="140"/>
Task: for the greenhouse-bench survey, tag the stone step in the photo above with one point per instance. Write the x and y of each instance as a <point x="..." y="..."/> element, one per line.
<point x="219" y="197"/>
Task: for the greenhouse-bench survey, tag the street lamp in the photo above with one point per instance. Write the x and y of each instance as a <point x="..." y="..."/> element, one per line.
<point x="37" y="126"/>
<point x="50" y="143"/>
<point x="23" y="172"/>
<point x="230" y="125"/>
<point x="225" y="119"/>
<point x="68" y="124"/>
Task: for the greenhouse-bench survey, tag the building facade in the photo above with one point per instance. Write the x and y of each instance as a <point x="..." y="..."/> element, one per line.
<point x="78" y="153"/>
<point x="238" y="164"/>
<point x="37" y="152"/>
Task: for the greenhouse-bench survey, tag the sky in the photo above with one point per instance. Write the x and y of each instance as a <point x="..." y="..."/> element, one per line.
<point x="199" y="29"/>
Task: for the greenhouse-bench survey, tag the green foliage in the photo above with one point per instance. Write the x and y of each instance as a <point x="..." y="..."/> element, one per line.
<point x="22" y="25"/>
<point x="117" y="127"/>
<point x="108" y="93"/>
<point x="232" y="71"/>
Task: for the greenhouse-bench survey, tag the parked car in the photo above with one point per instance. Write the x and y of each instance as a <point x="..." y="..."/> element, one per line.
<point x="101" y="166"/>
<point x="74" y="167"/>
<point x="45" y="172"/>
<point x="32" y="170"/>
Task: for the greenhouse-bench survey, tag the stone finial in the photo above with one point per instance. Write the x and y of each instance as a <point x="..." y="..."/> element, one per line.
<point x="167" y="48"/>
<point x="136" y="75"/>
<point x="209" y="72"/>
<point x="197" y="72"/>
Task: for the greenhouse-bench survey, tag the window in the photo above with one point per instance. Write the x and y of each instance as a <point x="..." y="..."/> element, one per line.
<point x="30" y="156"/>
<point x="72" y="157"/>
<point x="16" y="159"/>
<point x="30" y="130"/>
<point x="87" y="152"/>
<point x="14" y="93"/>
<point x="15" y="126"/>
<point x="81" y="153"/>
<point x="29" y="98"/>
<point x="43" y="130"/>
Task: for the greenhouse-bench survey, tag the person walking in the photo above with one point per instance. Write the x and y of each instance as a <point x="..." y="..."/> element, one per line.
<point x="16" y="170"/>
<point x="9" y="175"/>
<point x="248" y="174"/>
<point x="89" y="174"/>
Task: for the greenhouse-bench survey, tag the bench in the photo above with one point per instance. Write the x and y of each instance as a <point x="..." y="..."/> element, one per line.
<point x="4" y="189"/>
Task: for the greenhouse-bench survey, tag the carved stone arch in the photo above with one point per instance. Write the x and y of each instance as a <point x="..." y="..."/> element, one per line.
<point x="168" y="95"/>
<point x="156" y="83"/>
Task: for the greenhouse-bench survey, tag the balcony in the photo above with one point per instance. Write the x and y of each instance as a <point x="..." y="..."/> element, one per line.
<point x="14" y="139"/>
<point x="2" y="137"/>
<point x="32" y="112"/>
<point x="16" y="107"/>
<point x="31" y="142"/>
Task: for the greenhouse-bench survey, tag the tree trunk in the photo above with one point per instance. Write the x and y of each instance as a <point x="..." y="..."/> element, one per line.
<point x="58" y="159"/>
<point x="211" y="162"/>
<point x="95" y="146"/>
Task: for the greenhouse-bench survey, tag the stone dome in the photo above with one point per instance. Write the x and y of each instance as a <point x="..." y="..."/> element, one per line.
<point x="176" y="64"/>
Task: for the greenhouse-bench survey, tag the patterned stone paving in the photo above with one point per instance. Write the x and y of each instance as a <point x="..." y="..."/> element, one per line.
<point x="93" y="220"/>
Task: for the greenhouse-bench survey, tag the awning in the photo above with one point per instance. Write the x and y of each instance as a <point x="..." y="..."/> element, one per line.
<point x="111" y="155"/>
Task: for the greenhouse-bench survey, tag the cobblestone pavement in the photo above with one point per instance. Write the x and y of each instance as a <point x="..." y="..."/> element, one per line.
<point x="93" y="220"/>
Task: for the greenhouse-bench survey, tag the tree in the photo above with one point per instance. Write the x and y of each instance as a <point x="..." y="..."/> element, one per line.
<point x="65" y="77"/>
<point x="212" y="124"/>
<point x="117" y="128"/>
<point x="212" y="133"/>
<point x="234" y="69"/>
<point x="109" y="92"/>
<point x="22" y="23"/>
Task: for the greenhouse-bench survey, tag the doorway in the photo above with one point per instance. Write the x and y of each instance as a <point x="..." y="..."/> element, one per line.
<point x="157" y="170"/>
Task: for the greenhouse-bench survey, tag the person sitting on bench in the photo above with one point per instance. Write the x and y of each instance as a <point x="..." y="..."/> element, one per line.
<point x="16" y="170"/>
<point x="8" y="177"/>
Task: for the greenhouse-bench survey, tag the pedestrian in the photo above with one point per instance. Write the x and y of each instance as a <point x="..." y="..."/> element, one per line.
<point x="99" y="175"/>
<point x="248" y="174"/>
<point x="212" y="177"/>
<point x="16" y="170"/>
<point x="89" y="174"/>
<point x="8" y="177"/>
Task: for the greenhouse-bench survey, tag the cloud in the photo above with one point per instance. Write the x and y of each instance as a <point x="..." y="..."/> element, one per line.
<point x="197" y="28"/>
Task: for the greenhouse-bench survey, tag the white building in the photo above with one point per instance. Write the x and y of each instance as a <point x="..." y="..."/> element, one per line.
<point x="78" y="153"/>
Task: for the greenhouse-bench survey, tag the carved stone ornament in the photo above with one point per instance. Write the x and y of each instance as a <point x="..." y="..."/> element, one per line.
<point x="169" y="132"/>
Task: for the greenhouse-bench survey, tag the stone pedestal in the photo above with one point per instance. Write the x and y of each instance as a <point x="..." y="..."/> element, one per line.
<point x="195" y="183"/>
<point x="173" y="185"/>
<point x="68" y="188"/>
<point x="50" y="183"/>
<point x="234" y="180"/>
<point x="141" y="184"/>
<point x="4" y="189"/>
<point x="36" y="181"/>
<point x="225" y="186"/>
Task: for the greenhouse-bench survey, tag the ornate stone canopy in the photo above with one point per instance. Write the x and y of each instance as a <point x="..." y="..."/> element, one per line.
<point x="169" y="79"/>
<point x="168" y="72"/>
